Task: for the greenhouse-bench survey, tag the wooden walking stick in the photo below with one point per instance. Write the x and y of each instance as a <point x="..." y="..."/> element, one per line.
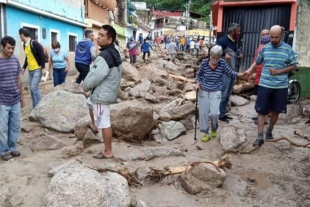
<point x="196" y="114"/>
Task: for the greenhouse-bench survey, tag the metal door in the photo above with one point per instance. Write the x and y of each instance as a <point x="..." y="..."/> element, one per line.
<point x="253" y="20"/>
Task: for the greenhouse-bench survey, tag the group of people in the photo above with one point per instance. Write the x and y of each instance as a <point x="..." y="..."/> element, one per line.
<point x="103" y="80"/>
<point x="273" y="60"/>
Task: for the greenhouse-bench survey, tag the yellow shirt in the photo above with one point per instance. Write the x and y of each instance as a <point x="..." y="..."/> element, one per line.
<point x="32" y="63"/>
<point x="182" y="41"/>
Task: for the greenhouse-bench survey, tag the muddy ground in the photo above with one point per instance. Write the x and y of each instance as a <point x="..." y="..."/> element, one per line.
<point x="276" y="175"/>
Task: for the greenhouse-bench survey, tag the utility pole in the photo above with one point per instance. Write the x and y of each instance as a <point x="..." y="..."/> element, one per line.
<point x="187" y="15"/>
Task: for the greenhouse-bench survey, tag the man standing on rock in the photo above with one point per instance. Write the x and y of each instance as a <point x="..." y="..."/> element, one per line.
<point x="279" y="59"/>
<point x="172" y="50"/>
<point x="11" y="99"/>
<point x="229" y="43"/>
<point x="103" y="81"/>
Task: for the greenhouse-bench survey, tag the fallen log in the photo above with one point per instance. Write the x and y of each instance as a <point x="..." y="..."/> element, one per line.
<point x="307" y="145"/>
<point x="178" y="77"/>
<point x="156" y="175"/>
<point x="301" y="136"/>
<point x="242" y="86"/>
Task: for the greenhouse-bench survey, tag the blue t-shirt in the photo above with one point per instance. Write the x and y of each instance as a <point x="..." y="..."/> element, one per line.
<point x="277" y="57"/>
<point x="58" y="59"/>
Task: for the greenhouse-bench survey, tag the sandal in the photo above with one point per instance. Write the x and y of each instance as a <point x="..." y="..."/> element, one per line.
<point x="94" y="131"/>
<point x="6" y="157"/>
<point x="100" y="155"/>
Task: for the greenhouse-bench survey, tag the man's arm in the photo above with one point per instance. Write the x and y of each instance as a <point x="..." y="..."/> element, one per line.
<point x="40" y="52"/>
<point x="93" y="52"/>
<point x="99" y="71"/>
<point x="20" y="86"/>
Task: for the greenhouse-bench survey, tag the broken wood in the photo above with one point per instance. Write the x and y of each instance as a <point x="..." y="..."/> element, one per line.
<point x="300" y="135"/>
<point x="307" y="145"/>
<point x="191" y="96"/>
<point x="156" y="175"/>
<point x="178" y="77"/>
<point x="242" y="86"/>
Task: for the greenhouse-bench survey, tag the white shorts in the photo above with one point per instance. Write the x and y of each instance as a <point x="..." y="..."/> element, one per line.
<point x="101" y="114"/>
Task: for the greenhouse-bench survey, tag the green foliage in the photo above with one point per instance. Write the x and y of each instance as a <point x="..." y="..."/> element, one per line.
<point x="197" y="6"/>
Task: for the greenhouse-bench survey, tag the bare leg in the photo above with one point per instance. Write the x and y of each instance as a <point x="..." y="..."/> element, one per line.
<point x="93" y="126"/>
<point x="273" y="119"/>
<point x="260" y="123"/>
<point x="107" y="137"/>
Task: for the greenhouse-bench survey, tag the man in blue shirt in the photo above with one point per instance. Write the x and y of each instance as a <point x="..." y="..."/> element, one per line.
<point x="145" y="48"/>
<point x="229" y="43"/>
<point x="279" y="59"/>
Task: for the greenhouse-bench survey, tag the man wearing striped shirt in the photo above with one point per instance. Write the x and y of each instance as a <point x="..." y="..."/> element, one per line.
<point x="209" y="81"/>
<point x="279" y="59"/>
<point x="11" y="99"/>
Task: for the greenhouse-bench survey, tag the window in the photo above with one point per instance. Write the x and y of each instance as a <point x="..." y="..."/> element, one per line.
<point x="33" y="33"/>
<point x="72" y="43"/>
<point x="54" y="36"/>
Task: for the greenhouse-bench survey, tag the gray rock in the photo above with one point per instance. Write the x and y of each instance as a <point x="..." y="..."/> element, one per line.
<point x="54" y="170"/>
<point x="293" y="111"/>
<point x="159" y="138"/>
<point x="141" y="204"/>
<point x="72" y="88"/>
<point x="77" y="185"/>
<point x="130" y="73"/>
<point x="47" y="142"/>
<point x="142" y="172"/>
<point x="73" y="150"/>
<point x="171" y="129"/>
<point x="81" y="127"/>
<point x="132" y="119"/>
<point x="140" y="89"/>
<point x="60" y="110"/>
<point x="90" y="138"/>
<point x="231" y="138"/>
<point x="253" y="98"/>
<point x="151" y="98"/>
<point x="189" y="87"/>
<point x="136" y="156"/>
<point x="202" y="178"/>
<point x="155" y="116"/>
<point x="238" y="100"/>
<point x="188" y="123"/>
<point x="151" y="153"/>
<point x="177" y="112"/>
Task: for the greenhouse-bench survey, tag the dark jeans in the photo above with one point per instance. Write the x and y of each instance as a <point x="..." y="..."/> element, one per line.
<point x="83" y="70"/>
<point x="59" y="76"/>
<point x="133" y="58"/>
<point x="227" y="88"/>
<point x="148" y="54"/>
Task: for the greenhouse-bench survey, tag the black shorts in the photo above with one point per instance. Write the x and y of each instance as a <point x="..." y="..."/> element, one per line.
<point x="255" y="90"/>
<point x="269" y="99"/>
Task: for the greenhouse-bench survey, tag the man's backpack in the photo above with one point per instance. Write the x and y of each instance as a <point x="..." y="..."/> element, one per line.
<point x="46" y="57"/>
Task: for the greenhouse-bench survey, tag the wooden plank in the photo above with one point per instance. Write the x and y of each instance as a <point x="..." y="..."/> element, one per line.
<point x="191" y="96"/>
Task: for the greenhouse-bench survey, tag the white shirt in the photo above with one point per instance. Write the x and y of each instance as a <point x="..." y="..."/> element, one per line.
<point x="192" y="45"/>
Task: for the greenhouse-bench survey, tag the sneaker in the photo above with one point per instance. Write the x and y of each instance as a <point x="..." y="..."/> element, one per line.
<point x="224" y="119"/>
<point x="269" y="135"/>
<point x="228" y="117"/>
<point x="206" y="138"/>
<point x="258" y="143"/>
<point x="213" y="134"/>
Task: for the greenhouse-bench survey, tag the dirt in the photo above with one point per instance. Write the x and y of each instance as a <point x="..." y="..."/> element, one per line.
<point x="275" y="175"/>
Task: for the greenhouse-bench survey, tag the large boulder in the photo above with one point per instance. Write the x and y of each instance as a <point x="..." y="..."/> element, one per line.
<point x="231" y="138"/>
<point x="77" y="185"/>
<point x="71" y="87"/>
<point x="60" y="110"/>
<point x="130" y="73"/>
<point x="132" y="119"/>
<point x="202" y="178"/>
<point x="238" y="100"/>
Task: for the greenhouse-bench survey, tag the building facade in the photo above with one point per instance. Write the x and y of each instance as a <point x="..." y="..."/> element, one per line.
<point x="47" y="21"/>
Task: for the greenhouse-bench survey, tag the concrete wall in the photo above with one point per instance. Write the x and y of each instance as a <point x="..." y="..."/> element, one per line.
<point x="95" y="12"/>
<point x="26" y="18"/>
<point x="302" y="45"/>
